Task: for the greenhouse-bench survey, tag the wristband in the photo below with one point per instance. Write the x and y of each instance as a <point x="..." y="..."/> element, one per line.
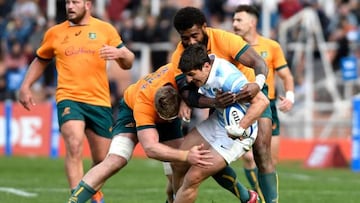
<point x="290" y="96"/>
<point x="185" y="157"/>
<point x="260" y="80"/>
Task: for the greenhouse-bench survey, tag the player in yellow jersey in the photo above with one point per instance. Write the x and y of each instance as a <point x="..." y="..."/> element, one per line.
<point x="190" y="23"/>
<point x="82" y="45"/>
<point x="148" y="114"/>
<point x="244" y="24"/>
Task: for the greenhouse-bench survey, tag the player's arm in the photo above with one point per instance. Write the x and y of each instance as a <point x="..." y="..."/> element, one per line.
<point x="191" y="96"/>
<point x="36" y="69"/>
<point x="149" y="139"/>
<point x="122" y="55"/>
<point x="286" y="102"/>
<point x="126" y="58"/>
<point x="253" y="60"/>
<point x="257" y="106"/>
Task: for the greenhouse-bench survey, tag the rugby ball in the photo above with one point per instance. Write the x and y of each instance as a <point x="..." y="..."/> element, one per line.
<point x="233" y="115"/>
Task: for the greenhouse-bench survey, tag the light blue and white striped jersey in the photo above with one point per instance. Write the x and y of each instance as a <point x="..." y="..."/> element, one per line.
<point x="223" y="76"/>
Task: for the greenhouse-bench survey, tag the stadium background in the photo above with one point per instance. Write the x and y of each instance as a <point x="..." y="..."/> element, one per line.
<point x="320" y="38"/>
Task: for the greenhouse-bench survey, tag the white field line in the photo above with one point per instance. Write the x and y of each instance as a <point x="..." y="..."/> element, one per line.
<point x="17" y="192"/>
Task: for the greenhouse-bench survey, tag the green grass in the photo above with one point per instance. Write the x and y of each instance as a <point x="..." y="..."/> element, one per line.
<point x="143" y="181"/>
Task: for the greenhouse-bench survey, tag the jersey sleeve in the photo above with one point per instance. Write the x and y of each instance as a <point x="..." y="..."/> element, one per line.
<point x="175" y="59"/>
<point x="46" y="50"/>
<point x="114" y="37"/>
<point x="234" y="44"/>
<point x="144" y="114"/>
<point x="279" y="60"/>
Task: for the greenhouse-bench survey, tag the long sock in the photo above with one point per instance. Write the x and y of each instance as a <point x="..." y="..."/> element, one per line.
<point x="227" y="179"/>
<point x="269" y="186"/>
<point x="252" y="177"/>
<point x="82" y="193"/>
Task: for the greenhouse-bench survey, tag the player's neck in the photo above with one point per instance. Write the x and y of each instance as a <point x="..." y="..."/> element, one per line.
<point x="251" y="38"/>
<point x="84" y="21"/>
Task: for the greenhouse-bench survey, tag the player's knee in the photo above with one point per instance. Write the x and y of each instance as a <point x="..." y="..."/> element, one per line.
<point x="194" y="178"/>
<point x="74" y="149"/>
<point x="248" y="160"/>
<point x="116" y="162"/>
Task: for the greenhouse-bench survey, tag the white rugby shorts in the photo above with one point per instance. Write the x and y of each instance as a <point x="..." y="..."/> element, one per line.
<point x="215" y="134"/>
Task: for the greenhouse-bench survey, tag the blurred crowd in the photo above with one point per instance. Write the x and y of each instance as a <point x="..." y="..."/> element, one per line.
<point x="24" y="22"/>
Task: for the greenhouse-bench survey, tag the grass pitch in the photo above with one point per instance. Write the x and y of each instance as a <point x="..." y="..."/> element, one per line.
<point x="37" y="180"/>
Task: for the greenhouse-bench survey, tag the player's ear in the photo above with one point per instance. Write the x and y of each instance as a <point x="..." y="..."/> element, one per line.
<point x="207" y="66"/>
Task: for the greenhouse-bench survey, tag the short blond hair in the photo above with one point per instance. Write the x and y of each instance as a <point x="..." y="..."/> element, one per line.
<point x="167" y="102"/>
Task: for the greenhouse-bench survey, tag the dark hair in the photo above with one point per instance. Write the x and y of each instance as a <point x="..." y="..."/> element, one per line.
<point x="193" y="58"/>
<point x="187" y="17"/>
<point x="248" y="9"/>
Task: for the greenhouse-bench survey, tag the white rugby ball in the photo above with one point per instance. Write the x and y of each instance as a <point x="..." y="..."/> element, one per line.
<point x="233" y="115"/>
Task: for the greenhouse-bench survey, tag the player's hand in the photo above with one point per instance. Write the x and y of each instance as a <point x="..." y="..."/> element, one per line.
<point x="234" y="131"/>
<point x="224" y="99"/>
<point x="184" y="111"/>
<point x="26" y="99"/>
<point x="199" y="156"/>
<point x="248" y="92"/>
<point x="285" y="105"/>
<point x="108" y="52"/>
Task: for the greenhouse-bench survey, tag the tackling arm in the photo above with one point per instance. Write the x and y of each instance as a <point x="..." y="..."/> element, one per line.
<point x="149" y="139"/>
<point x="191" y="96"/>
<point x="251" y="59"/>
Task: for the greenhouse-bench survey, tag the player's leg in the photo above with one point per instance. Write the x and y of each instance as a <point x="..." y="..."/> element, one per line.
<point x="120" y="151"/>
<point x="72" y="128"/>
<point x="215" y="135"/>
<point x="119" y="154"/>
<point x="250" y="169"/>
<point x="227" y="179"/>
<point x="73" y="134"/>
<point x="180" y="168"/>
<point x="275" y="143"/>
<point x="275" y="139"/>
<point x="99" y="147"/>
<point x="174" y="141"/>
<point x="169" y="186"/>
<point x="98" y="132"/>
<point x="267" y="175"/>
<point x="188" y="191"/>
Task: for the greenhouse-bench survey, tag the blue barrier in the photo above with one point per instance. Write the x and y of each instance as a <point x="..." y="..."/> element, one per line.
<point x="54" y="145"/>
<point x="8" y="116"/>
<point x="355" y="162"/>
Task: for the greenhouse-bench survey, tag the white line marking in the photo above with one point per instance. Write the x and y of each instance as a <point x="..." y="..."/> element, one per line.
<point x="17" y="192"/>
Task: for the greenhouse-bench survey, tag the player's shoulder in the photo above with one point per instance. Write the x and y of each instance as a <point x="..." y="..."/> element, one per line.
<point x="59" y="27"/>
<point x="270" y="42"/>
<point x="216" y="32"/>
<point x="104" y="25"/>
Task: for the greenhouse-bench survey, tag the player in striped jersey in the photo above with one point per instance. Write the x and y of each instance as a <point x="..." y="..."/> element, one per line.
<point x="226" y="142"/>
<point x="190" y="23"/>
